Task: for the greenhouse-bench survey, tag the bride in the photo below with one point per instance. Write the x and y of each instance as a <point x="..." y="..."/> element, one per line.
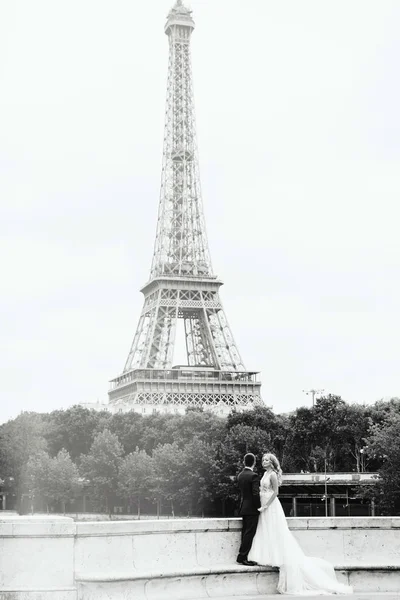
<point x="275" y="545"/>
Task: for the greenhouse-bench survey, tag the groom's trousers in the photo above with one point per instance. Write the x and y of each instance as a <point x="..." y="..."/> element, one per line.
<point x="248" y="532"/>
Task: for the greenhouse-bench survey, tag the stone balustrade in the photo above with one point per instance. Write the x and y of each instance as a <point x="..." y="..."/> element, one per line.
<point x="55" y="558"/>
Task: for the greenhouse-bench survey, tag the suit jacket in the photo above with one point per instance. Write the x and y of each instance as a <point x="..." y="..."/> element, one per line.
<point x="249" y="485"/>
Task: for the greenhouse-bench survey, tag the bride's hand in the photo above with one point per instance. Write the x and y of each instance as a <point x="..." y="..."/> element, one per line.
<point x="261" y="509"/>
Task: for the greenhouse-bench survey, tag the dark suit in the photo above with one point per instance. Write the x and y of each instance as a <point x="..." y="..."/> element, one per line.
<point x="249" y="485"/>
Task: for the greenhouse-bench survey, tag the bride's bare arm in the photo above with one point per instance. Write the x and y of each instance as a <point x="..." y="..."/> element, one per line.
<point x="274" y="484"/>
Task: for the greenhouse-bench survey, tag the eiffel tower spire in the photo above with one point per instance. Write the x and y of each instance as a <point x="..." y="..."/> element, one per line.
<point x="182" y="284"/>
<point x="181" y="246"/>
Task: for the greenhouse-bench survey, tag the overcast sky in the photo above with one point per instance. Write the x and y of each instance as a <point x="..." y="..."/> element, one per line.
<point x="299" y="141"/>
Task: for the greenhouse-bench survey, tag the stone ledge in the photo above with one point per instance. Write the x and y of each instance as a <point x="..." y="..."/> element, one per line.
<point x="36" y="526"/>
<point x="37" y="590"/>
<point x="158" y="526"/>
<point x="38" y="594"/>
<point x="224" y="581"/>
<point x="49" y="525"/>
<point x="215" y="570"/>
<point x="347" y="523"/>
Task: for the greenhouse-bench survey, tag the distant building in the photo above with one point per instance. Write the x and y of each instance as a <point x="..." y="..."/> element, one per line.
<point x="330" y="494"/>
<point x="97" y="406"/>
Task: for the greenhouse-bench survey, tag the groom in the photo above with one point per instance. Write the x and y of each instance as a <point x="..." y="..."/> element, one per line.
<point x="249" y="486"/>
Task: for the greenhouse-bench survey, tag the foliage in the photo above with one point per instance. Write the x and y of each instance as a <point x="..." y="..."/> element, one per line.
<point x="203" y="426"/>
<point x="36" y="476"/>
<point x="384" y="443"/>
<point x="101" y="466"/>
<point x="135" y="476"/>
<point x="190" y="462"/>
<point x="196" y="484"/>
<point x="353" y="431"/>
<point x="74" y="430"/>
<point x="168" y="461"/>
<point x="128" y="427"/>
<point x="65" y="481"/>
<point x="19" y="440"/>
<point x="332" y="431"/>
<point x="277" y="426"/>
<point x="55" y="479"/>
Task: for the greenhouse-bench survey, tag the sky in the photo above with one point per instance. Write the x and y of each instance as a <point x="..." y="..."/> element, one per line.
<point x="298" y="122"/>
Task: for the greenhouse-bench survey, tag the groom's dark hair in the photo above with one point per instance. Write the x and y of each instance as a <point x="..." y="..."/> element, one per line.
<point x="249" y="459"/>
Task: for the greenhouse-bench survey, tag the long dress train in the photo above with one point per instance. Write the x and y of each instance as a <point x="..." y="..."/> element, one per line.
<point x="275" y="545"/>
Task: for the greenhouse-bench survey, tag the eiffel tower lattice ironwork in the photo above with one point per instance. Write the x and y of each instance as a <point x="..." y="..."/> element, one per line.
<point x="182" y="284"/>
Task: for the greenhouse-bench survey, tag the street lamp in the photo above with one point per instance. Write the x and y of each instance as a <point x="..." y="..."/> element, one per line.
<point x="325" y="497"/>
<point x="362" y="459"/>
<point x="312" y="393"/>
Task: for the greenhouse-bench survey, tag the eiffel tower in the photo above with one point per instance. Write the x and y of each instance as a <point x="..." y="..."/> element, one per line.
<point x="182" y="284"/>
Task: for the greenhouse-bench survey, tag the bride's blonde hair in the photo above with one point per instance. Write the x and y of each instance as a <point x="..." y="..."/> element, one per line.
<point x="275" y="465"/>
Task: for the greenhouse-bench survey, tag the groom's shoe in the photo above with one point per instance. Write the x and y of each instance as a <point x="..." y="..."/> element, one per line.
<point x="247" y="563"/>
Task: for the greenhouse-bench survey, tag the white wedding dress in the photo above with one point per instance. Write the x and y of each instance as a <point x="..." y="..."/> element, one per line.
<point x="275" y="545"/>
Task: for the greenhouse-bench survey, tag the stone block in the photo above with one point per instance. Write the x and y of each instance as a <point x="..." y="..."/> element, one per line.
<point x="5" y="529"/>
<point x="178" y="588"/>
<point x="116" y="590"/>
<point x="36" y="563"/>
<point x="231" y="584"/>
<point x="104" y="554"/>
<point x="321" y="543"/>
<point x="164" y="553"/>
<point x="377" y="546"/>
<point x="267" y="582"/>
<point x="375" y="580"/>
<point x="216" y="547"/>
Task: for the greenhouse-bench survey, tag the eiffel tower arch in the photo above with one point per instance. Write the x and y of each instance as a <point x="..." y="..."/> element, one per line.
<point x="182" y="284"/>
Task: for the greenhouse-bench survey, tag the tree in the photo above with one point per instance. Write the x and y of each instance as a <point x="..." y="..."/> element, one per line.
<point x="197" y="424"/>
<point x="167" y="483"/>
<point x="352" y="433"/>
<point x="20" y="439"/>
<point x="54" y="479"/>
<point x="384" y="444"/>
<point x="135" y="477"/>
<point x="316" y="436"/>
<point x="301" y="440"/>
<point x="129" y="428"/>
<point x="74" y="430"/>
<point x="156" y="430"/>
<point x="101" y="466"/>
<point x="65" y="482"/>
<point x="37" y="477"/>
<point x="196" y="484"/>
<point x="262" y="417"/>
<point x="327" y="418"/>
<point x="228" y="462"/>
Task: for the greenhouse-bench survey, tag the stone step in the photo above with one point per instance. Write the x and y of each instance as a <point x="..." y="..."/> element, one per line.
<point x="227" y="581"/>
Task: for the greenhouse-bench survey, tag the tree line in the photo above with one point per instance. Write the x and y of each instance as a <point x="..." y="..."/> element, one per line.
<point x="187" y="464"/>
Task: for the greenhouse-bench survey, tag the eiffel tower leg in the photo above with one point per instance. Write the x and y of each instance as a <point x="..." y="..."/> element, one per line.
<point x="224" y="344"/>
<point x="138" y="344"/>
<point x="199" y="349"/>
<point x="161" y="339"/>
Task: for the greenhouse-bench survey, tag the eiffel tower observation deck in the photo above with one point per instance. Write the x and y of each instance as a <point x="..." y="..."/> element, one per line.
<point x="182" y="284"/>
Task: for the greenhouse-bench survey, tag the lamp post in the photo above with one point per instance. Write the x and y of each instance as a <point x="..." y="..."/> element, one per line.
<point x="326" y="492"/>
<point x="362" y="460"/>
<point x="312" y="393"/>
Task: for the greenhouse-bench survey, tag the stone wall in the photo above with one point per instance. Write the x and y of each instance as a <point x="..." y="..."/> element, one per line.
<point x="46" y="556"/>
<point x="37" y="558"/>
